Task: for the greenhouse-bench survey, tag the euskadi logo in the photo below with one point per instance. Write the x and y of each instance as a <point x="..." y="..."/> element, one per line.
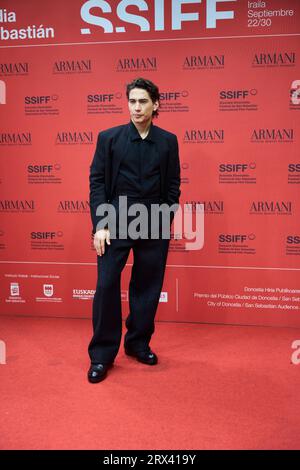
<point x="152" y="15"/>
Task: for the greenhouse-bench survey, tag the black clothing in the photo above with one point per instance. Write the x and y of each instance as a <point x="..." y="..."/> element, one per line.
<point x="147" y="171"/>
<point x="139" y="170"/>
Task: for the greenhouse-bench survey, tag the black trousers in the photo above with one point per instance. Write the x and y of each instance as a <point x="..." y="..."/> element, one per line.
<point x="150" y="256"/>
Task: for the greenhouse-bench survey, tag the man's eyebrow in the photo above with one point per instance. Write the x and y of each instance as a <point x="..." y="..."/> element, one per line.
<point x="141" y="99"/>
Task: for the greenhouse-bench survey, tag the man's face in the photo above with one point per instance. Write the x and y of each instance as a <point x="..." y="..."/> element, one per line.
<point x="141" y="106"/>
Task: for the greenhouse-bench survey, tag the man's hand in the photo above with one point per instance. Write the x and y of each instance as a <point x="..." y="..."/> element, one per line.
<point x="99" y="241"/>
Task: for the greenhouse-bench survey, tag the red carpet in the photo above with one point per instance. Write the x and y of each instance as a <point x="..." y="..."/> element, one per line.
<point x="216" y="387"/>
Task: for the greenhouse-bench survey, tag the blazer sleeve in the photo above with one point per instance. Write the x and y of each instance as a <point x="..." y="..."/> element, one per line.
<point x="97" y="181"/>
<point x="173" y="191"/>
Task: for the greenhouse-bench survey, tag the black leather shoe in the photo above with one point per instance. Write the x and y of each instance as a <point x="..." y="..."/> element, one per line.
<point x="146" y="357"/>
<point x="97" y="372"/>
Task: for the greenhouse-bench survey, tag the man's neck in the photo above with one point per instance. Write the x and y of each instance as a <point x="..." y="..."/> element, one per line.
<point x="143" y="128"/>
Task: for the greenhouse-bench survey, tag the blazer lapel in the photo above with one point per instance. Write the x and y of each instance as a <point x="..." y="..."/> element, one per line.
<point x="163" y="157"/>
<point x="119" y="150"/>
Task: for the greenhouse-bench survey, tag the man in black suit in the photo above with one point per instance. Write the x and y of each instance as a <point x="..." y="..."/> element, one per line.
<point x="138" y="161"/>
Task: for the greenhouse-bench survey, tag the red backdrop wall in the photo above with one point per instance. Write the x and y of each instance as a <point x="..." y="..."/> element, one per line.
<point x="229" y="85"/>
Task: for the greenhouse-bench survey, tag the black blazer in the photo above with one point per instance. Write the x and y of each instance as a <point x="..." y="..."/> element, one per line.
<point x="111" y="147"/>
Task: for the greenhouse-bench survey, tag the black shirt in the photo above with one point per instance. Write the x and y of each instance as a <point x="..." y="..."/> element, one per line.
<point x="139" y="171"/>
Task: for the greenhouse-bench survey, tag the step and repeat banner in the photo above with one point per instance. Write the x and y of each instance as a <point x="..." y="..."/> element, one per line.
<point x="228" y="73"/>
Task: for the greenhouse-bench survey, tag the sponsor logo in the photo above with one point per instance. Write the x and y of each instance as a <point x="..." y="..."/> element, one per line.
<point x="274" y="59"/>
<point x="48" y="290"/>
<point x="14" y="296"/>
<point x="15" y="138"/>
<point x="275" y="135"/>
<point x="137" y="64"/>
<point x="73" y="138"/>
<point x="203" y="136"/>
<point x="14" y="69"/>
<point x="83" y="294"/>
<point x="271" y="207"/>
<point x="210" y="206"/>
<point x="14" y="288"/>
<point x="73" y="206"/>
<point x="17" y="205"/>
<point x="72" y="66"/>
<point x="202" y="62"/>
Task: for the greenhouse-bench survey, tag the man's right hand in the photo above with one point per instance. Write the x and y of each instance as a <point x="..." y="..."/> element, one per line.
<point x="99" y="241"/>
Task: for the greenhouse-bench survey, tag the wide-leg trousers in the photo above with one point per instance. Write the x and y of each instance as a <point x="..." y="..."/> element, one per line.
<point x="147" y="274"/>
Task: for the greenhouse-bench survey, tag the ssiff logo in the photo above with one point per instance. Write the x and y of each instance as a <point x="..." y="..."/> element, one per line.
<point x="2" y="92"/>
<point x="90" y="14"/>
